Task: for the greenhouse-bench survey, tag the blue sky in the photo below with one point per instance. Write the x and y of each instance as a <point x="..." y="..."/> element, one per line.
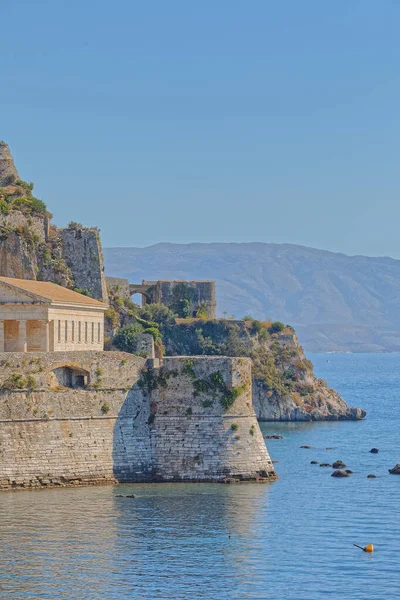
<point x="223" y="120"/>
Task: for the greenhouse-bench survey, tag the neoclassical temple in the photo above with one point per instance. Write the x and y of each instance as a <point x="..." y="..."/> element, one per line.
<point x="39" y="316"/>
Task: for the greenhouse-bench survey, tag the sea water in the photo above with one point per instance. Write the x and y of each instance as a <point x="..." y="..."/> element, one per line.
<point x="291" y="539"/>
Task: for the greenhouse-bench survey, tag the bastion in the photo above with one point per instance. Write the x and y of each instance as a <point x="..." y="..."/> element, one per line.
<point x="91" y="417"/>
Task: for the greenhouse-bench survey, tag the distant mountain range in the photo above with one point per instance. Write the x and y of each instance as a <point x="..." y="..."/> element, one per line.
<point x="335" y="302"/>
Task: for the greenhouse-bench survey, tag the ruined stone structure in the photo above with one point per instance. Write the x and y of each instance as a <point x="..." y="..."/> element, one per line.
<point x="201" y="294"/>
<point x="100" y="417"/>
<point x="41" y="316"/>
<point x="118" y="286"/>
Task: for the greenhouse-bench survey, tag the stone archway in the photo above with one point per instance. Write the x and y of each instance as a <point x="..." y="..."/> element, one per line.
<point x="71" y="376"/>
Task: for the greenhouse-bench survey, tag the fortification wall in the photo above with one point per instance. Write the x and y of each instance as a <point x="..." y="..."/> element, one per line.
<point x="83" y="255"/>
<point x="55" y="435"/>
<point x="128" y="422"/>
<point x="119" y="285"/>
<point x="204" y="294"/>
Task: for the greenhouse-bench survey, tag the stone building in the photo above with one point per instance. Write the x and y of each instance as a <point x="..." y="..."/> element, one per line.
<point x="201" y="295"/>
<point x="38" y="316"/>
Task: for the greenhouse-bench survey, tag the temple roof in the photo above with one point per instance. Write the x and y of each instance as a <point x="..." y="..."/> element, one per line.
<point x="51" y="291"/>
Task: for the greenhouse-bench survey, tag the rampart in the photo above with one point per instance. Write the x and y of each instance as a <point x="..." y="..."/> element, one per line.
<point x="73" y="418"/>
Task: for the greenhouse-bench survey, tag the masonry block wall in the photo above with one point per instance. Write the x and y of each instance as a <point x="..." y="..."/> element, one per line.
<point x="119" y="286"/>
<point x="51" y="434"/>
<point x="194" y="435"/>
<point x="204" y="294"/>
<point x="100" y="417"/>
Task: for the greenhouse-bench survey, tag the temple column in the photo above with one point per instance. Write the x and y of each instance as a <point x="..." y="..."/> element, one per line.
<point x="1" y="336"/>
<point x="45" y="336"/>
<point x="22" y="342"/>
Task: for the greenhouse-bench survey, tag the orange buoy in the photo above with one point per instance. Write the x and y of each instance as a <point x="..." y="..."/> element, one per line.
<point x="368" y="548"/>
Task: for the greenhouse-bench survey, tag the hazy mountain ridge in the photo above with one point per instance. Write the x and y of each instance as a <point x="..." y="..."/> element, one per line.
<point x="336" y="302"/>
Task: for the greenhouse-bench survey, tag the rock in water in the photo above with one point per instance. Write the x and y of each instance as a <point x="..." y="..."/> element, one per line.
<point x="325" y="465"/>
<point x="338" y="465"/>
<point x="314" y="462"/>
<point x="371" y="476"/>
<point x="340" y="474"/>
<point x="305" y="446"/>
<point x="395" y="470"/>
<point x="374" y="450"/>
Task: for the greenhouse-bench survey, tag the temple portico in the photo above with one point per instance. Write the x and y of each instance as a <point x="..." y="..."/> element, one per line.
<point x="24" y="335"/>
<point x="44" y="317"/>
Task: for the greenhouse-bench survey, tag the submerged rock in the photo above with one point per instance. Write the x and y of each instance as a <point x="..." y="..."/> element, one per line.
<point x="325" y="465"/>
<point x="371" y="476"/>
<point x="275" y="436"/>
<point x="340" y="474"/>
<point x="374" y="450"/>
<point x="122" y="496"/>
<point x="314" y="462"/>
<point x="306" y="447"/>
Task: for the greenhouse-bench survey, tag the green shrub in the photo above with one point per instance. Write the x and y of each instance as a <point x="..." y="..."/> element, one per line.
<point x="188" y="368"/>
<point x="4" y="207"/>
<point x="158" y="313"/>
<point x="81" y="291"/>
<point x="234" y="426"/>
<point x="252" y="430"/>
<point x="31" y="383"/>
<point x="126" y="338"/>
<point x="112" y="317"/>
<point x="105" y="408"/>
<point x="15" y="382"/>
<point x="75" y="225"/>
<point x="276" y="327"/>
<point x="183" y="294"/>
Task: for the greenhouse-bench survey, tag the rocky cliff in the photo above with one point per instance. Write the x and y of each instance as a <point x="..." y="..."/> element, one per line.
<point x="284" y="384"/>
<point x="32" y="248"/>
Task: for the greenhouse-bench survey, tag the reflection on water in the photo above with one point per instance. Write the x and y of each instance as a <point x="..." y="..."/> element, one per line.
<point x="88" y="543"/>
<point x="289" y="539"/>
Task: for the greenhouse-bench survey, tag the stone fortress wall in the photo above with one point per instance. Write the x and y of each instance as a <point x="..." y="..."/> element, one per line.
<point x="119" y="286"/>
<point x="99" y="417"/>
<point x="161" y="292"/>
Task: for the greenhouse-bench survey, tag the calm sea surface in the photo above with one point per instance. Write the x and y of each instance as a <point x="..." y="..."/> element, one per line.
<point x="291" y="539"/>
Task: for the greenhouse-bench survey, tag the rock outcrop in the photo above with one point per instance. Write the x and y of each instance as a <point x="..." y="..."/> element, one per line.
<point x="8" y="171"/>
<point x="298" y="395"/>
<point x="284" y="384"/>
<point x="32" y="248"/>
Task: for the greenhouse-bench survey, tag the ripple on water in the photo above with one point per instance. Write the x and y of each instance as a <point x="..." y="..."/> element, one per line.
<point x="291" y="539"/>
